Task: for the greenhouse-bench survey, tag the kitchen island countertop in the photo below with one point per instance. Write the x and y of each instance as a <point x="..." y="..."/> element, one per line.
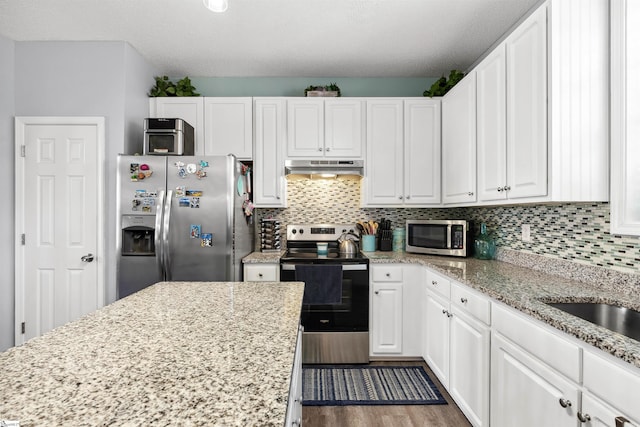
<point x="176" y="353"/>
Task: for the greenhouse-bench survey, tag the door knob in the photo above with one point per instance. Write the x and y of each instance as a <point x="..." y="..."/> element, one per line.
<point x="87" y="258"/>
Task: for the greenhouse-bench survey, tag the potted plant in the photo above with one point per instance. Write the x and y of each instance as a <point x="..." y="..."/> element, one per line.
<point x="443" y="85"/>
<point x="327" y="90"/>
<point x="165" y="87"/>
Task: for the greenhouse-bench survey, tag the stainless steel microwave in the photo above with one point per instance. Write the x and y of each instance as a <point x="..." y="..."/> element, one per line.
<point x="168" y="137"/>
<point x="440" y="237"/>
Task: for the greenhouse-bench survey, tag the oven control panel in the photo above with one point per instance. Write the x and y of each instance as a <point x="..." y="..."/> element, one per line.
<point x="318" y="232"/>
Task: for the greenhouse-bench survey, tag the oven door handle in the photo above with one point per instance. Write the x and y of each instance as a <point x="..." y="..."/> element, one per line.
<point x="345" y="267"/>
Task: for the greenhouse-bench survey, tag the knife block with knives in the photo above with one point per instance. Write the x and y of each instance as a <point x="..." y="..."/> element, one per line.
<point x="385" y="235"/>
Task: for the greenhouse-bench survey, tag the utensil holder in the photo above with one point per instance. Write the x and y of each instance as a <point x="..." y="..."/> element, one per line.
<point x="368" y="242"/>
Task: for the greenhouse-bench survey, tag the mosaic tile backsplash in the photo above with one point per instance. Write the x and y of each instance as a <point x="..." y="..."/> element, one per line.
<point x="578" y="232"/>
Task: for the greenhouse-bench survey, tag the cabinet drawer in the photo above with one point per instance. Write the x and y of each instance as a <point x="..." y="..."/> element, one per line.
<point x="538" y="340"/>
<point x="384" y="273"/>
<point x="613" y="382"/>
<point x="439" y="284"/>
<point x="471" y="302"/>
<point x="261" y="273"/>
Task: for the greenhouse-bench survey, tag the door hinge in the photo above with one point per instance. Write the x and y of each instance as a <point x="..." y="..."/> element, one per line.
<point x="23" y="150"/>
<point x="23" y="327"/>
<point x="23" y="239"/>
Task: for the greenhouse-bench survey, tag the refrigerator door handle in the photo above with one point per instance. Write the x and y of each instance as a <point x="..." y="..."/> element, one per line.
<point x="157" y="241"/>
<point x="165" y="234"/>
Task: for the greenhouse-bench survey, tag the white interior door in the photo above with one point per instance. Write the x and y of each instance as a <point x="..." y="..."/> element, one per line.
<point x="59" y="223"/>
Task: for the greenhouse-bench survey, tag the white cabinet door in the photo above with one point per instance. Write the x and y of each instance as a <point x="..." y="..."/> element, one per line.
<point x="492" y="126"/>
<point x="436" y="338"/>
<point x="625" y="116"/>
<point x="188" y="108"/>
<point x="527" y="393"/>
<point x="384" y="175"/>
<point x="269" y="183"/>
<point x="599" y="414"/>
<point x="459" y="142"/>
<point x="305" y="127"/>
<point x="344" y="128"/>
<point x="414" y="277"/>
<point x="386" y="327"/>
<point x="422" y="152"/>
<point x="228" y="127"/>
<point x="469" y="366"/>
<point x="526" y="50"/>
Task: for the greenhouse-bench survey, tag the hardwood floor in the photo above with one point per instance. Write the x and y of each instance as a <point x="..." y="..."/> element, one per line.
<point x="388" y="415"/>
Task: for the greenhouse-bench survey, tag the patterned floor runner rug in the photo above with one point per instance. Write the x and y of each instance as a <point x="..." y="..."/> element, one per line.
<point x="340" y="385"/>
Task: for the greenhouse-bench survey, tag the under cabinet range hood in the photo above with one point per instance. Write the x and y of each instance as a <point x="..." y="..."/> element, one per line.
<point x="324" y="168"/>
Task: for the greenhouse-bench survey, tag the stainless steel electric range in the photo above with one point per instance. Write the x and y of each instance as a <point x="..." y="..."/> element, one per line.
<point x="335" y="311"/>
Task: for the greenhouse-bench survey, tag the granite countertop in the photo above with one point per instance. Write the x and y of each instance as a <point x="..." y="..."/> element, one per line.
<point x="263" y="257"/>
<point x="527" y="290"/>
<point x="187" y="353"/>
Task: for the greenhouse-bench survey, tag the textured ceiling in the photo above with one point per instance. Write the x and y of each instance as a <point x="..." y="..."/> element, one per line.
<point x="284" y="38"/>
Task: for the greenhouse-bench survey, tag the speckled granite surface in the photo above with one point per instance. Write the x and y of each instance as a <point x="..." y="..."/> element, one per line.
<point x="527" y="290"/>
<point x="180" y="353"/>
<point x="263" y="257"/>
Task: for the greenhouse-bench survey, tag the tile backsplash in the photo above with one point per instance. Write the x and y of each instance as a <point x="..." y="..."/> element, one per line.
<point x="577" y="232"/>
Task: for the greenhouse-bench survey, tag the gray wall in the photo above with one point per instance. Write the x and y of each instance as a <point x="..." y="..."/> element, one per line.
<point x="7" y="95"/>
<point x="108" y="79"/>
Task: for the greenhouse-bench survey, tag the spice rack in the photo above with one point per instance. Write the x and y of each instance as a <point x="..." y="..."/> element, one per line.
<point x="269" y="235"/>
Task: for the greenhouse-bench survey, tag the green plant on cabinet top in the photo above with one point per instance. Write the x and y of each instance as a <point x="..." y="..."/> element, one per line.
<point x="165" y="87"/>
<point x="443" y="85"/>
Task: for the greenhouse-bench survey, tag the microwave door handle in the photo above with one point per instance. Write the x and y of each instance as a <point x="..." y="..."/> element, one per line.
<point x="166" y="223"/>
<point x="157" y="240"/>
<point x="449" y="236"/>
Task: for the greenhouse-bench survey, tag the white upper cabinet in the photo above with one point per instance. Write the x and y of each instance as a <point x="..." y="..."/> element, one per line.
<point x="403" y="152"/>
<point x="269" y="183"/>
<point x="526" y="75"/>
<point x="344" y="127"/>
<point x="625" y="115"/>
<point x="188" y="108"/>
<point x="459" y="142"/>
<point x="324" y="128"/>
<point x="492" y="125"/>
<point x="222" y="125"/>
<point x="228" y="124"/>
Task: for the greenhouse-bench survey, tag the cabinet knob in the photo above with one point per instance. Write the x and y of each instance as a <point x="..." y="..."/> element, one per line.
<point x="376" y="292"/>
<point x="463" y="300"/>
<point x="565" y="403"/>
<point x="320" y="149"/>
<point x="470" y="193"/>
<point x="259" y="274"/>
<point x="583" y="417"/>
<point x="500" y="189"/>
<point x="327" y="149"/>
<point x="408" y="197"/>
<point x="434" y="282"/>
<point x="400" y="197"/>
<point x="507" y="188"/>
<point x="388" y="274"/>
<point x="444" y="311"/>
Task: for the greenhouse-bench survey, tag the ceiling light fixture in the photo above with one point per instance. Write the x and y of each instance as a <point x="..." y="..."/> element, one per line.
<point x="217" y="6"/>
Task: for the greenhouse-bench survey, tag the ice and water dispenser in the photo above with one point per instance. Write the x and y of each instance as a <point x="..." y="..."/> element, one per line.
<point x="138" y="235"/>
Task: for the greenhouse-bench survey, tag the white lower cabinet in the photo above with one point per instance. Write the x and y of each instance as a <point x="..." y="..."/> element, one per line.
<point x="596" y="413"/>
<point x="395" y="306"/>
<point x="526" y="392"/>
<point x="456" y="344"/>
<point x="294" y="406"/>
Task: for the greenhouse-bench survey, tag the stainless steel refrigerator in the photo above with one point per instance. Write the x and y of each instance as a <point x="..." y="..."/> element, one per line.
<point x="180" y="218"/>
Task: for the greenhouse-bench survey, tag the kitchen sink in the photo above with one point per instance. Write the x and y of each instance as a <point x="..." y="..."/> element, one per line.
<point x="622" y="320"/>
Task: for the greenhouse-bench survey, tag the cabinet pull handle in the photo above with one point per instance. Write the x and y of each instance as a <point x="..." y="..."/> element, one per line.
<point x="463" y="300"/>
<point x="621" y="421"/>
<point x="583" y="417"/>
<point x="565" y="403"/>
